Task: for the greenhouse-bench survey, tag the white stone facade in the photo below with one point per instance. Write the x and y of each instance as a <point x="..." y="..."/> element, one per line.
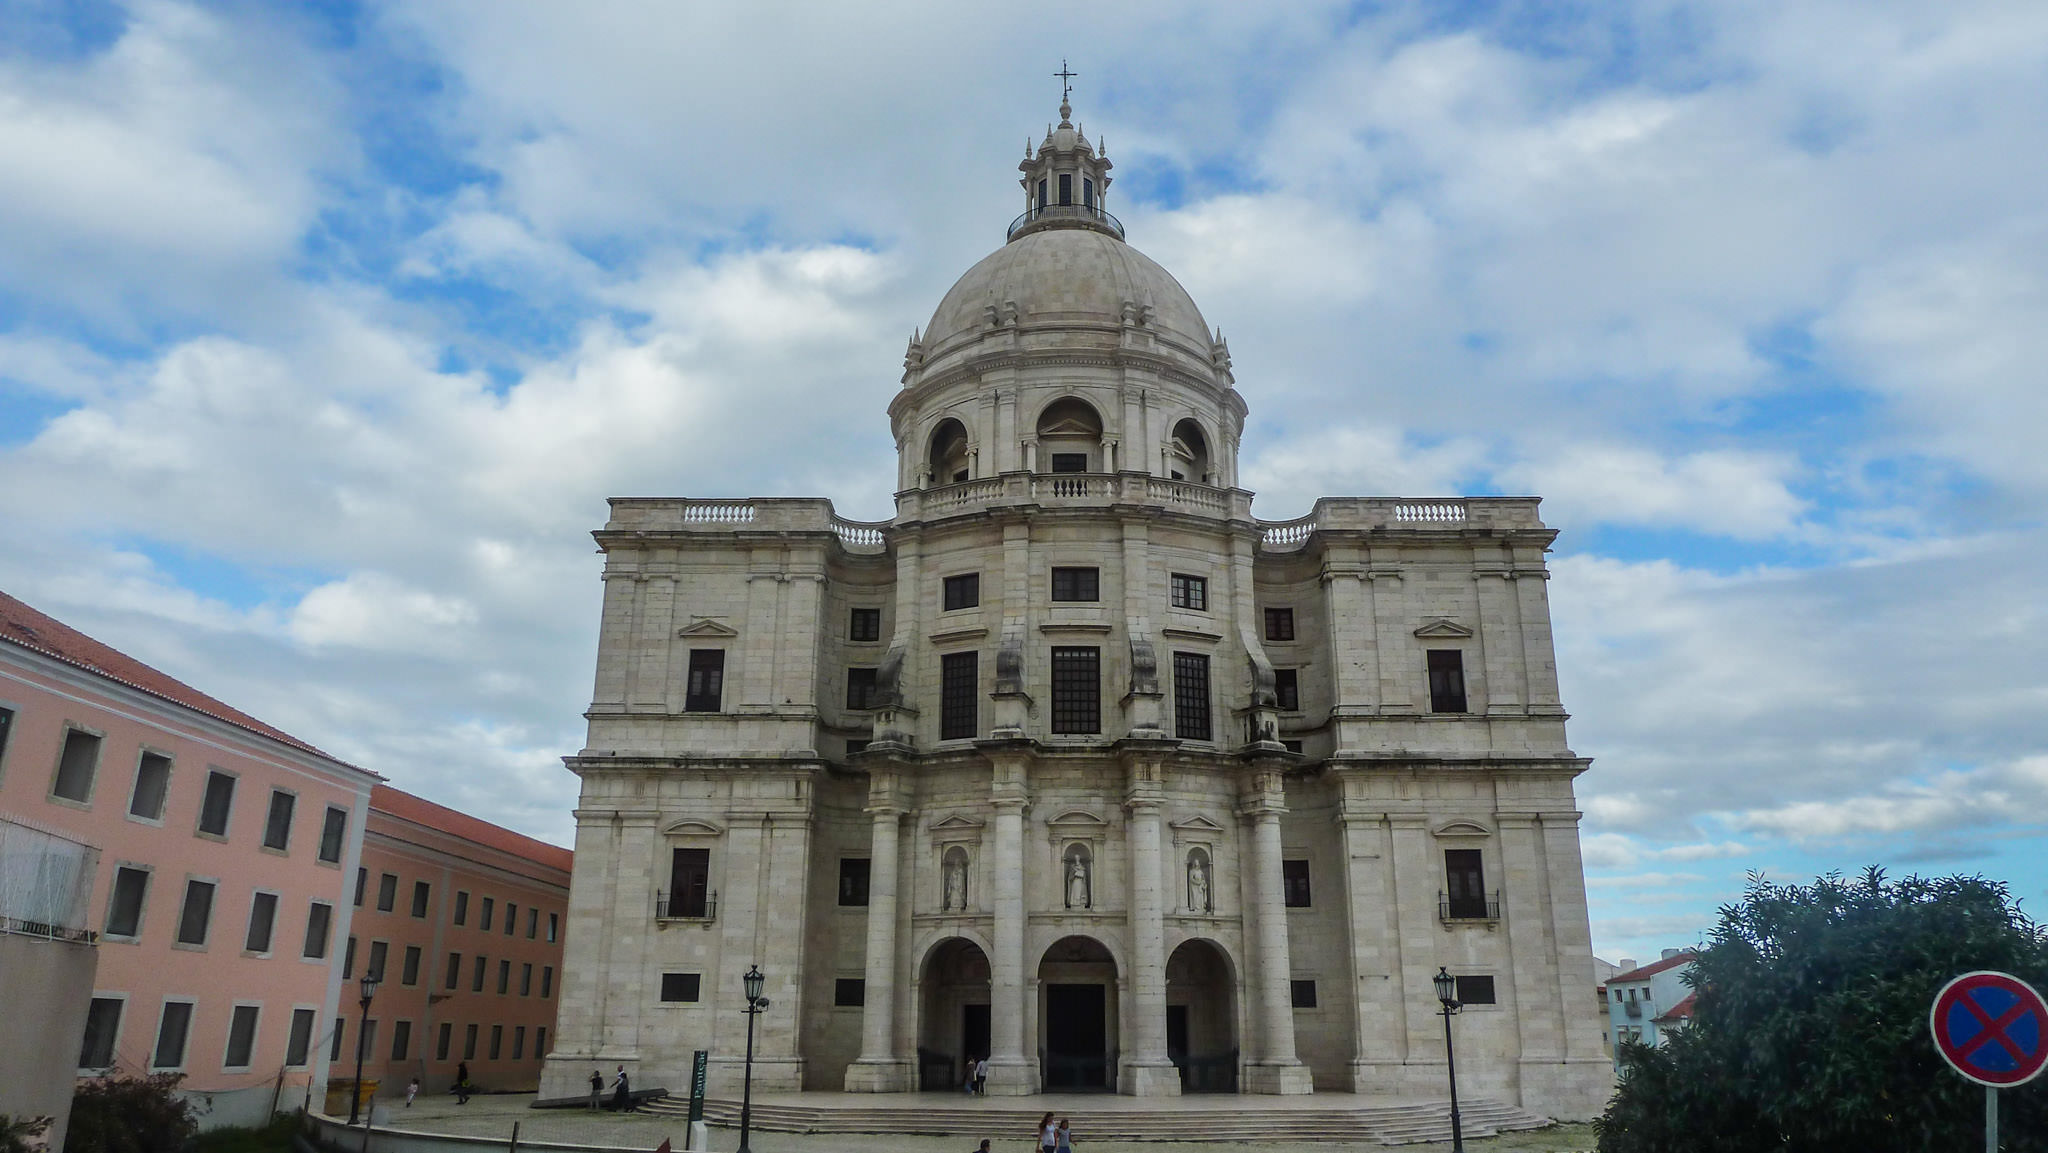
<point x="1229" y="852"/>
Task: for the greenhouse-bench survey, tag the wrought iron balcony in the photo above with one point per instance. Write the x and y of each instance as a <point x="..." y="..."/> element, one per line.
<point x="704" y="908"/>
<point x="1484" y="907"/>
<point x="1048" y="216"/>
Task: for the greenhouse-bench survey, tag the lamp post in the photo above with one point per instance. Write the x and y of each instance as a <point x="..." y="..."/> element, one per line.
<point x="355" y="1097"/>
<point x="1447" y="993"/>
<point x="756" y="1005"/>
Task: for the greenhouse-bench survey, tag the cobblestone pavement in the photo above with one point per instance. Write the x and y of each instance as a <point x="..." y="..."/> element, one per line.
<point x="494" y="1115"/>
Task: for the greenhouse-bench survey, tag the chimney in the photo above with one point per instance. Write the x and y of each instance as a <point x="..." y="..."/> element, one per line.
<point x="1628" y="964"/>
<point x="1670" y="953"/>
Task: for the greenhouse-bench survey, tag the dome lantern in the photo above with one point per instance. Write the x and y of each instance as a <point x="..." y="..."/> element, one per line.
<point x="1065" y="182"/>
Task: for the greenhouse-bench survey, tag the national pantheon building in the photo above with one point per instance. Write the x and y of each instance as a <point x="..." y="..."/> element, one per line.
<point x="1076" y="764"/>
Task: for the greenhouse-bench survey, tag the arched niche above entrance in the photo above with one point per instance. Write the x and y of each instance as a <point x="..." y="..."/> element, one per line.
<point x="1078" y="1011"/>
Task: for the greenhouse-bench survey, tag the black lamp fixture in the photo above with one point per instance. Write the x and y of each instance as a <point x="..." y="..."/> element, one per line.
<point x="1447" y="995"/>
<point x="756" y="1005"/>
<point x="355" y="1097"/>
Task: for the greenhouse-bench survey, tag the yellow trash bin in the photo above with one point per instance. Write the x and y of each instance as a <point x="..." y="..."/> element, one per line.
<point x="337" y="1095"/>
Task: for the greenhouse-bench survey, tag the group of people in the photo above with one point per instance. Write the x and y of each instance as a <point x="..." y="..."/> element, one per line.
<point x="622" y="1092"/>
<point x="976" y="1084"/>
<point x="1054" y="1136"/>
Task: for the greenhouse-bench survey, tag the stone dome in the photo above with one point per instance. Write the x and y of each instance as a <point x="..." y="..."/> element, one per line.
<point x="1066" y="276"/>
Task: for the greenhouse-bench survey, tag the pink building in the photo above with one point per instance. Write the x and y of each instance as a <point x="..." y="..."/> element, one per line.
<point x="463" y="921"/>
<point x="228" y="853"/>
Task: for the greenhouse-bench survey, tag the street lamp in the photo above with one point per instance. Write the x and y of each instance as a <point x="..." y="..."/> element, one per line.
<point x="756" y="1005"/>
<point x="355" y="1097"/>
<point x="1447" y="993"/>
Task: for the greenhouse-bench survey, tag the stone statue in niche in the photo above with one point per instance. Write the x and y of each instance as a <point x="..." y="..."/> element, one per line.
<point x="956" y="880"/>
<point x="1077" y="880"/>
<point x="1198" y="885"/>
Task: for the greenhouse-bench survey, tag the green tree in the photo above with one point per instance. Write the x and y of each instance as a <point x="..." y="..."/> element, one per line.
<point x="130" y="1115"/>
<point x="1810" y="1032"/>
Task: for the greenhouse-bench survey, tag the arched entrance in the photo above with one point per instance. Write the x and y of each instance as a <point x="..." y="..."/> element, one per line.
<point x="1201" y="1018"/>
<point x="1077" y="1015"/>
<point x="952" y="1013"/>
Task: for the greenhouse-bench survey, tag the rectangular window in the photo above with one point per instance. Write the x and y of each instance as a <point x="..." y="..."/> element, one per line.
<point x="963" y="592"/>
<point x="1294" y="884"/>
<point x="217" y="805"/>
<point x="483" y="921"/>
<point x="76" y="766"/>
<point x="152" y="785"/>
<point x="409" y="970"/>
<point x="401" y="1039"/>
<point x="1464" y="884"/>
<point x="849" y="993"/>
<point x="262" y="919"/>
<point x="1087" y="192"/>
<point x="860" y="688"/>
<point x="241" y="1037"/>
<point x="1066" y="188"/>
<point x="547" y="981"/>
<point x="532" y="922"/>
<point x="298" y="1044"/>
<point x="504" y="977"/>
<point x="469" y="1042"/>
<point x="1077" y="690"/>
<point x="334" y="1048"/>
<point x="1076" y="584"/>
<point x="1291" y="746"/>
<point x="1475" y="990"/>
<point x="370" y="1035"/>
<point x="362" y="885"/>
<point x="511" y="918"/>
<point x="348" y="960"/>
<point x="171" y="1029"/>
<point x="554" y="927"/>
<point x="1279" y="624"/>
<point x="497" y="1041"/>
<point x="124" y="908"/>
<point x="6" y="727"/>
<point x="461" y="908"/>
<point x="102" y="1029"/>
<point x="866" y="625"/>
<point x="333" y="831"/>
<point x="1303" y="994"/>
<point x="1190" y="592"/>
<point x="707" y="681"/>
<point x="526" y="979"/>
<point x="197" y="915"/>
<point x="319" y="918"/>
<point x="1070" y="462"/>
<point x="959" y="712"/>
<point x="441" y="1042"/>
<point x="518" y="1042"/>
<point x="853" y="881"/>
<point x="454" y="971"/>
<point x="1287" y="690"/>
<point x="680" y="986"/>
<point x="277" y="824"/>
<point x="476" y="974"/>
<point x="1446" y="681"/>
<point x="540" y="1041"/>
<point x="380" y="951"/>
<point x="1041" y="193"/>
<point x="1191" y="696"/>
<point x="387" y="892"/>
<point x="689" y="883"/>
<point x="421" y="894"/>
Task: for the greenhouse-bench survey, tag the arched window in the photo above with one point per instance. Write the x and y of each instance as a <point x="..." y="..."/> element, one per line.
<point x="949" y="452"/>
<point x="1189" y="453"/>
<point x="1070" y="437"/>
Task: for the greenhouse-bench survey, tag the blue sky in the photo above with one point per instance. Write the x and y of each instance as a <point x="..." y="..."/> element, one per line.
<point x="326" y="330"/>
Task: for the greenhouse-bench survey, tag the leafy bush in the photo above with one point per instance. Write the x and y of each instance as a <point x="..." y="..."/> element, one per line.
<point x="15" y="1132"/>
<point x="275" y="1137"/>
<point x="130" y="1115"/>
<point x="1810" y="1032"/>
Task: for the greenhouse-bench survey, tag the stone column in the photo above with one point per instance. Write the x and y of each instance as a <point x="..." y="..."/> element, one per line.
<point x="1011" y="1073"/>
<point x="1277" y="1069"/>
<point x="880" y="1068"/>
<point x="1146" y="1071"/>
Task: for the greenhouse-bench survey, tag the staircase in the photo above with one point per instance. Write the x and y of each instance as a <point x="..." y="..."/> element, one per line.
<point x="1388" y="1124"/>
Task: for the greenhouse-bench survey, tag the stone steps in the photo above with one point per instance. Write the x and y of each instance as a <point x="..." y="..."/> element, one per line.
<point x="1392" y="1124"/>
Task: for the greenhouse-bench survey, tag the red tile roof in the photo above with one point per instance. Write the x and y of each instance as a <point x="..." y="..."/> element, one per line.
<point x="38" y="632"/>
<point x="1681" y="1011"/>
<point x="420" y="811"/>
<point x="1653" y="968"/>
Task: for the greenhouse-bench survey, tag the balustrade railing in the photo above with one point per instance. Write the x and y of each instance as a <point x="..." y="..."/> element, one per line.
<point x="1440" y="512"/>
<point x="858" y="536"/>
<point x="718" y="513"/>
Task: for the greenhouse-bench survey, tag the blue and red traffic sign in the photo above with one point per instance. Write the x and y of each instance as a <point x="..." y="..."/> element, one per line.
<point x="1993" y="1027"/>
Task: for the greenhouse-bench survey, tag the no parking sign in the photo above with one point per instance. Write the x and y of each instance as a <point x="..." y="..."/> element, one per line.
<point x="1992" y="1027"/>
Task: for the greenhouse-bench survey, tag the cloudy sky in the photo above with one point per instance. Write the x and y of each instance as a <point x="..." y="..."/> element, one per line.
<point x="325" y="332"/>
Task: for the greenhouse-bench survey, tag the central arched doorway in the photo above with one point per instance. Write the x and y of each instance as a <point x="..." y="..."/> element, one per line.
<point x="953" y="1013"/>
<point x="1077" y="1015"/>
<point x="1201" y="1018"/>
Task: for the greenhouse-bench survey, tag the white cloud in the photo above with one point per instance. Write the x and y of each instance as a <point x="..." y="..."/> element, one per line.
<point x="1740" y="494"/>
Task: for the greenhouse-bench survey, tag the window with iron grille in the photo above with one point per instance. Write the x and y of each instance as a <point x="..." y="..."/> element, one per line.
<point x="1446" y="681"/>
<point x="689" y="883"/>
<point x="1076" y="584"/>
<point x="959" y="680"/>
<point x="1279" y="624"/>
<point x="1294" y="884"/>
<point x="963" y="591"/>
<point x="1464" y="883"/>
<point x="865" y="626"/>
<point x="853" y="881"/>
<point x="860" y="688"/>
<point x="1191" y="696"/>
<point x="1287" y="690"/>
<point x="707" y="681"/>
<point x="1190" y="592"/>
<point x="1077" y="690"/>
<point x="1475" y="991"/>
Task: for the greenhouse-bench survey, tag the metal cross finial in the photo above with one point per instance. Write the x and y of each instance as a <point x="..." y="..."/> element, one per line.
<point x="1066" y="78"/>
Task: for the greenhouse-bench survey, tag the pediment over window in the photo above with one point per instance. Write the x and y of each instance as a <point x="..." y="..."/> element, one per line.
<point x="956" y="823"/>
<point x="1443" y="627"/>
<point x="1463" y="829"/>
<point x="706" y="627"/>
<point x="1195" y="824"/>
<point x="693" y="828"/>
<point x="1078" y="820"/>
<point x="1068" y="426"/>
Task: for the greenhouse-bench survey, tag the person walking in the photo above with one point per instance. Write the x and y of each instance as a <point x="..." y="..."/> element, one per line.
<point x="622" y="1092"/>
<point x="1063" y="1138"/>
<point x="462" y="1086"/>
<point x="981" y="1077"/>
<point x="412" y="1090"/>
<point x="596" y="1090"/>
<point x="1048" y="1134"/>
